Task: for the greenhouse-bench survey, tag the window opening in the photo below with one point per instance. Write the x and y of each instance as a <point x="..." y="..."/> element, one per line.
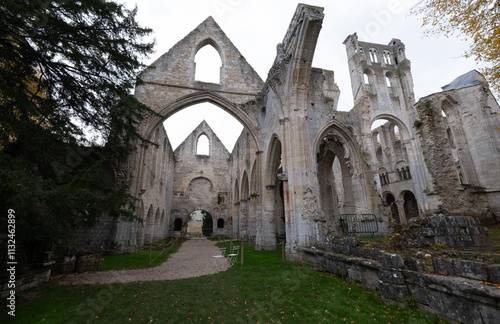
<point x="203" y="147"/>
<point x="387" y="57"/>
<point x="388" y="82"/>
<point x="366" y="79"/>
<point x="208" y="65"/>
<point x="384" y="177"/>
<point x="373" y="55"/>
<point x="396" y="133"/>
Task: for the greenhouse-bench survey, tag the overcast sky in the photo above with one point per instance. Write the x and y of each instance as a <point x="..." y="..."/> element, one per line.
<point x="256" y="26"/>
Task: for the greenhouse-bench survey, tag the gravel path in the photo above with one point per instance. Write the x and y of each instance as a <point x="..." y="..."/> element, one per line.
<point x="194" y="259"/>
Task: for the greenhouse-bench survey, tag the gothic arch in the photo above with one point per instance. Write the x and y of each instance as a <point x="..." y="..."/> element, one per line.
<point x="410" y="204"/>
<point x="390" y="201"/>
<point x="274" y="212"/>
<point x="200" y="97"/>
<point x="403" y="129"/>
<point x="273" y="159"/>
<point x="211" y="42"/>
<point x="342" y="184"/>
<point x="245" y="192"/>
<point x="198" y="179"/>
<point x="243" y="208"/>
<point x="208" y="41"/>
<point x="200" y="150"/>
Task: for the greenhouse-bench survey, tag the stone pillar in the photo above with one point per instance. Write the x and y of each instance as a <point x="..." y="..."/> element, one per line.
<point x="401" y="210"/>
<point x="267" y="225"/>
<point x="243" y="220"/>
<point x="252" y="218"/>
<point x="236" y="220"/>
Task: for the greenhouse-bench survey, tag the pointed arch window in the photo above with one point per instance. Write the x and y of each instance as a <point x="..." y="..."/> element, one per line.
<point x="366" y="79"/>
<point x="203" y="145"/>
<point x="373" y="55"/>
<point x="387" y="57"/>
<point x="208" y="64"/>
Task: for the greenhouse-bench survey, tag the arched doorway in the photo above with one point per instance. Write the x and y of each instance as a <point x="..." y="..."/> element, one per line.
<point x="391" y="202"/>
<point x="275" y="187"/>
<point x="178" y="225"/>
<point x="410" y="205"/>
<point x="335" y="181"/>
<point x="200" y="222"/>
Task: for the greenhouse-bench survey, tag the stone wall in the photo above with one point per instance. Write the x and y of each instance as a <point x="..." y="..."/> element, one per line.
<point x="101" y="234"/>
<point x="201" y="181"/>
<point x="299" y="163"/>
<point x="244" y="167"/>
<point x="463" y="177"/>
<point x="457" y="290"/>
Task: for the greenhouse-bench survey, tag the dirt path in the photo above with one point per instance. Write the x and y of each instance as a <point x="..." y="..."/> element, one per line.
<point x="194" y="259"/>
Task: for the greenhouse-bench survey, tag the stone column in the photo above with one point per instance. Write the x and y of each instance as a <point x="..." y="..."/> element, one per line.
<point x="401" y="210"/>
<point x="267" y="224"/>
<point x="243" y="220"/>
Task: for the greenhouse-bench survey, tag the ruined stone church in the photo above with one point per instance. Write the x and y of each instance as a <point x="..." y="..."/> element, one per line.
<point x="299" y="164"/>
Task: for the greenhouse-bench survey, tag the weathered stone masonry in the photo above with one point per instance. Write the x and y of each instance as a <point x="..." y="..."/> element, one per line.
<point x="454" y="289"/>
<point x="299" y="162"/>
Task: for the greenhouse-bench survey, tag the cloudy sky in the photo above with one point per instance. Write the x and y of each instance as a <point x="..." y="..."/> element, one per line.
<point x="256" y="26"/>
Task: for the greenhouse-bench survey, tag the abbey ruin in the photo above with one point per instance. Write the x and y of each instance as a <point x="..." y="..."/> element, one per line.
<point x="299" y="163"/>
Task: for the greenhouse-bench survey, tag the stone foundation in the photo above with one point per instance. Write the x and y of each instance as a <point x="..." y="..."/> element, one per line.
<point x="454" y="232"/>
<point x="457" y="290"/>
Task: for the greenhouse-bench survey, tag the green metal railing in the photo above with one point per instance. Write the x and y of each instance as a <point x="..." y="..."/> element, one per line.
<point x="358" y="223"/>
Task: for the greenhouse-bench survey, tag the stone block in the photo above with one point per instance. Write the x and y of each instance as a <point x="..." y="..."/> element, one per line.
<point x="391" y="277"/>
<point x="391" y="261"/>
<point x="494" y="273"/>
<point x="417" y="265"/>
<point x="351" y="241"/>
<point x="453" y="307"/>
<point x="470" y="269"/>
<point x="355" y="274"/>
<point x="489" y="314"/>
<point x="443" y="266"/>
<point x="394" y="292"/>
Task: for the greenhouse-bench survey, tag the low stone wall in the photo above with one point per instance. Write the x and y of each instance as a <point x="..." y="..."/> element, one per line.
<point x="73" y="263"/>
<point x="28" y="280"/>
<point x="458" y="290"/>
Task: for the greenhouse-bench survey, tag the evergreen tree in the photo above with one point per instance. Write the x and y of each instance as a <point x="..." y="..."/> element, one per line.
<point x="67" y="69"/>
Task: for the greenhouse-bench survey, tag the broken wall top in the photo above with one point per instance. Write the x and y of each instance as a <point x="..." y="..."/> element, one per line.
<point x="177" y="67"/>
<point x="189" y="145"/>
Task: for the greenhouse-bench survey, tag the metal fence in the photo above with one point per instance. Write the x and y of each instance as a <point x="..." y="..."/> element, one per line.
<point x="358" y="223"/>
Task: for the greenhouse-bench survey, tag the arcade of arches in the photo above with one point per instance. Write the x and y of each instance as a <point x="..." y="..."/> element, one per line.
<point x="300" y="163"/>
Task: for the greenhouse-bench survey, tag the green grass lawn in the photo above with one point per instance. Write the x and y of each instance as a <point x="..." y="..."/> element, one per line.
<point x="379" y="239"/>
<point x="140" y="259"/>
<point x="494" y="234"/>
<point x="264" y="290"/>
